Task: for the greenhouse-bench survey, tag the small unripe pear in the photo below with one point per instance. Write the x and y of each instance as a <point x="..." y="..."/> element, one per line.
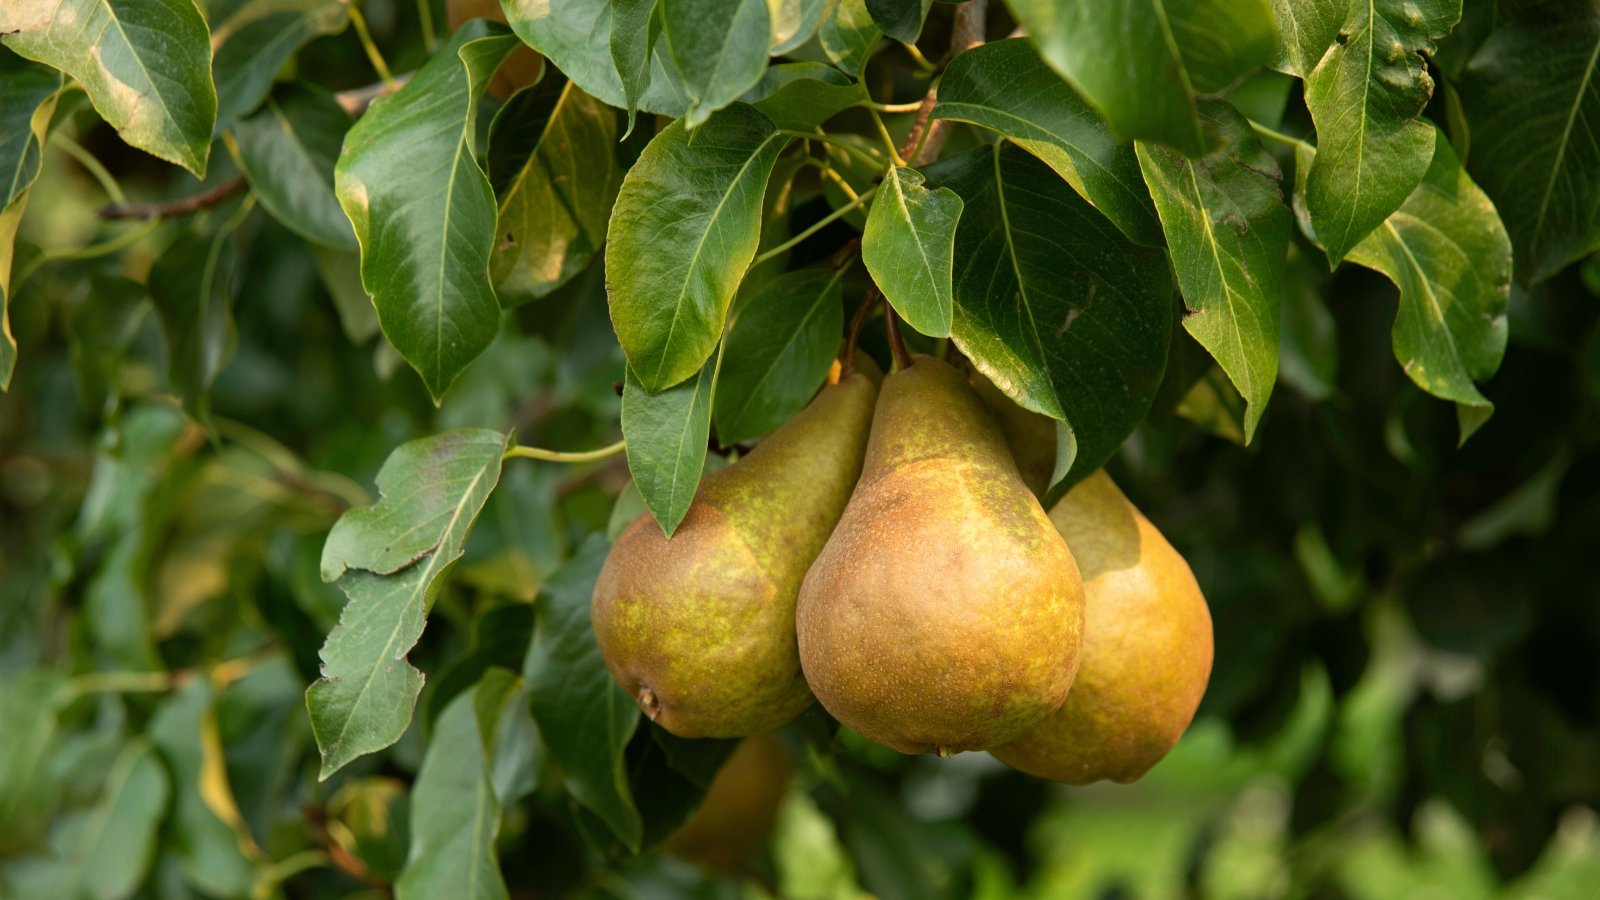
<point x="736" y="817"/>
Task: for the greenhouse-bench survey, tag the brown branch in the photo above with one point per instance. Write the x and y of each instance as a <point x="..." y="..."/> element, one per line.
<point x="847" y="359"/>
<point x="897" y="346"/>
<point x="966" y="33"/>
<point x="180" y="207"/>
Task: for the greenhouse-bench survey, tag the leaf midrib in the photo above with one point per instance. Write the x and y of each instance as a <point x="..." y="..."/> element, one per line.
<point x="1561" y="148"/>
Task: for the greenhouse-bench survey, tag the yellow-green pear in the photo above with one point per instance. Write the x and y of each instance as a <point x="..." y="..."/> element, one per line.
<point x="699" y="628"/>
<point x="1147" y="647"/>
<point x="732" y="824"/>
<point x="1031" y="437"/>
<point x="945" y="612"/>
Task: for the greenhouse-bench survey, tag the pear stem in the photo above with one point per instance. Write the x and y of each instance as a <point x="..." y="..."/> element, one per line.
<point x="566" y="457"/>
<point x="897" y="346"/>
<point x="847" y="360"/>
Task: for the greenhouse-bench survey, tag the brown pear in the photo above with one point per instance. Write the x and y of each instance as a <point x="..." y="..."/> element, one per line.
<point x="736" y="817"/>
<point x="699" y="628"/>
<point x="945" y="612"/>
<point x="1146" y="651"/>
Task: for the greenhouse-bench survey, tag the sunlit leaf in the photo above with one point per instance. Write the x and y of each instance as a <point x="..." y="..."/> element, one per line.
<point x="847" y="33"/>
<point x="667" y="435"/>
<point x="1306" y="29"/>
<point x="907" y="247"/>
<point x="719" y="48"/>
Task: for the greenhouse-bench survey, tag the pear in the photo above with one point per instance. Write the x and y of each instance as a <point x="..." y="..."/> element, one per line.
<point x="699" y="629"/>
<point x="945" y="612"/>
<point x="731" y="826"/>
<point x="1146" y="654"/>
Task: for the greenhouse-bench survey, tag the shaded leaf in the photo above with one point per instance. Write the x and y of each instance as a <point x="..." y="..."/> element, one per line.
<point x="719" y="48"/>
<point x="1145" y="65"/>
<point x="1309" y="360"/>
<point x="1365" y="97"/>
<point x="684" y="229"/>
<point x="1306" y="29"/>
<point x="28" y="705"/>
<point x="554" y="209"/>
<point x="27" y="101"/>
<point x="1532" y="98"/>
<point x="800" y="96"/>
<point x="847" y="34"/>
<point x="900" y="19"/>
<point x="340" y="272"/>
<point x="576" y="36"/>
<point x="365" y="697"/>
<point x="667" y="435"/>
<point x="910" y="235"/>
<point x="423" y="211"/>
<point x="255" y="38"/>
<point x="1228" y="231"/>
<point x="192" y="286"/>
<point x="455" y="814"/>
<point x="1448" y="253"/>
<point x="288" y="151"/>
<point x="634" y="29"/>
<point x="1004" y="86"/>
<point x="779" y="350"/>
<point x="584" y="715"/>
<point x="1053" y="303"/>
<point x="145" y="64"/>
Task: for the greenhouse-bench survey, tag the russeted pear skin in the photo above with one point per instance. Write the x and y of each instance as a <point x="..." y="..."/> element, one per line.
<point x="945" y="612"/>
<point x="699" y="629"/>
<point x="1147" y="647"/>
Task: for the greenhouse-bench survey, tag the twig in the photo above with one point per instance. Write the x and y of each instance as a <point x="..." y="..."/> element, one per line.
<point x="356" y="100"/>
<point x="563" y="456"/>
<point x="180" y="207"/>
<point x="847" y="359"/>
<point x="927" y="139"/>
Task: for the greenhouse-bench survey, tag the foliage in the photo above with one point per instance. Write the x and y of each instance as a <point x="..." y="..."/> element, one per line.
<point x="290" y="289"/>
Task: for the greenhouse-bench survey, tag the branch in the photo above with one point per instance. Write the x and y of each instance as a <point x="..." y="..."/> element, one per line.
<point x="927" y="139"/>
<point x="180" y="207"/>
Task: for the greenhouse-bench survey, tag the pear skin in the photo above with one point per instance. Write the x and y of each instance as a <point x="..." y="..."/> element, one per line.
<point x="699" y="629"/>
<point x="736" y="817"/>
<point x="945" y="612"/>
<point x="1146" y="654"/>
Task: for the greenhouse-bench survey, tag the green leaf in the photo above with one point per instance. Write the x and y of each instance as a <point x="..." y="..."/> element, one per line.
<point x="1532" y="99"/>
<point x="800" y="96"/>
<point x="288" y="151"/>
<point x="27" y="101"/>
<point x="254" y="39"/>
<point x="1146" y="64"/>
<point x="145" y="64"/>
<point x="1365" y="97"/>
<point x="423" y="211"/>
<point x="719" y="48"/>
<point x="634" y="29"/>
<point x="1447" y="252"/>
<point x="779" y="350"/>
<point x="553" y="212"/>
<point x="192" y="285"/>
<point x="847" y="34"/>
<point x="793" y="23"/>
<point x="900" y="19"/>
<point x="1054" y="304"/>
<point x="340" y="271"/>
<point x="455" y="814"/>
<point x="1004" y="86"/>
<point x="424" y="487"/>
<point x="576" y="36"/>
<point x="1228" y="231"/>
<point x="683" y="231"/>
<point x="585" y="717"/>
<point x="28" y="705"/>
<point x="1309" y="342"/>
<point x="1306" y="29"/>
<point x="365" y="697"/>
<point x="211" y="847"/>
<point x="667" y="435"/>
<point x="911" y="232"/>
<point x="114" y="843"/>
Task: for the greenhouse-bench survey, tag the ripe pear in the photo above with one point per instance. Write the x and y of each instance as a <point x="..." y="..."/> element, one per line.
<point x="1146" y="653"/>
<point x="945" y="612"/>
<point x="699" y="628"/>
<point x="734" y="820"/>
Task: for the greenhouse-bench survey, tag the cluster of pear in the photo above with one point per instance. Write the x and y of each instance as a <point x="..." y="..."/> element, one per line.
<point x="883" y="553"/>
